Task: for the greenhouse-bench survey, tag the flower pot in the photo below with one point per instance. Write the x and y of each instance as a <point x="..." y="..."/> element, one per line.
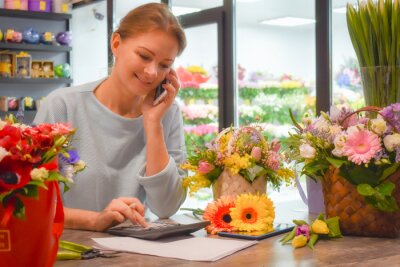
<point x="381" y="85"/>
<point x="234" y="185"/>
<point x="34" y="241"/>
<point x="356" y="216"/>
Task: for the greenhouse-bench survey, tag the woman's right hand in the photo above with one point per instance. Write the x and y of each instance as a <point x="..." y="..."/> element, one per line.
<point x="119" y="210"/>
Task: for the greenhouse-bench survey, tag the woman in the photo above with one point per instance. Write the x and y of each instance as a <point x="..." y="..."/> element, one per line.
<point x="132" y="148"/>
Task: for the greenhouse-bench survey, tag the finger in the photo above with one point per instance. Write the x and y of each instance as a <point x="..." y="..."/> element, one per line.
<point x="140" y="219"/>
<point x="132" y="215"/>
<point x="134" y="206"/>
<point x="174" y="81"/>
<point x="132" y="200"/>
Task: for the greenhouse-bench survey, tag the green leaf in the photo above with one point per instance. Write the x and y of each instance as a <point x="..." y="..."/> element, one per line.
<point x="253" y="172"/>
<point x="334" y="227"/>
<point x="321" y="216"/>
<point x="365" y="190"/>
<point x="38" y="183"/>
<point x="360" y="175"/>
<point x="19" y="210"/>
<point x="288" y="237"/>
<point x="299" y="222"/>
<point x="337" y="163"/>
<point x="388" y="171"/>
<point x="214" y="174"/>
<point x="312" y="241"/>
<point x="30" y="191"/>
<point x="386" y="189"/>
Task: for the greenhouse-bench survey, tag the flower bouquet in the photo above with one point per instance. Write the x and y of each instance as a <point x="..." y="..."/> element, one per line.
<point x="31" y="207"/>
<point x="357" y="158"/>
<point x="237" y="161"/>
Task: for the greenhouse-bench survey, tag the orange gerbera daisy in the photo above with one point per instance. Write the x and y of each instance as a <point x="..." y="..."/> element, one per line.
<point x="218" y="213"/>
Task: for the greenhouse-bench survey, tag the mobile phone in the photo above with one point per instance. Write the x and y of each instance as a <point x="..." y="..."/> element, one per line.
<point x="259" y="235"/>
<point x="160" y="94"/>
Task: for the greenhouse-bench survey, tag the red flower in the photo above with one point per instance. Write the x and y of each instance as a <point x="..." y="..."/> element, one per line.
<point x="10" y="136"/>
<point x="14" y="174"/>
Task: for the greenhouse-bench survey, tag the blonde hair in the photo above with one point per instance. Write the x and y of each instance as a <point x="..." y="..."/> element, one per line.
<point x="150" y="17"/>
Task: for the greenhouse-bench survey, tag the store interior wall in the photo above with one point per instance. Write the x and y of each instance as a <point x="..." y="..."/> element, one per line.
<point x="271" y="49"/>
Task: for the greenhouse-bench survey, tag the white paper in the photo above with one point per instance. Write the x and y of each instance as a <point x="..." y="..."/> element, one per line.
<point x="188" y="248"/>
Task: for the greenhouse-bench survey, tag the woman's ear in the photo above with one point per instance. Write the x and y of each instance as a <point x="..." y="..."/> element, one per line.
<point x="115" y="43"/>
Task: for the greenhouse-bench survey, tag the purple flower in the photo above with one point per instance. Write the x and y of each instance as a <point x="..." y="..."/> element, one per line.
<point x="397" y="149"/>
<point x="392" y="114"/>
<point x="303" y="230"/>
<point x="73" y="157"/>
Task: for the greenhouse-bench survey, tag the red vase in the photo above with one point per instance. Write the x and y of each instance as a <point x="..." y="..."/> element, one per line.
<point x="33" y="241"/>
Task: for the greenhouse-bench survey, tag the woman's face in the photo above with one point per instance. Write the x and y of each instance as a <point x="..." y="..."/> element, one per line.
<point x="143" y="61"/>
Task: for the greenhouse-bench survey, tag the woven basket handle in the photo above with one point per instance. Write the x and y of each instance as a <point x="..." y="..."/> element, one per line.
<point x="236" y="134"/>
<point x="372" y="109"/>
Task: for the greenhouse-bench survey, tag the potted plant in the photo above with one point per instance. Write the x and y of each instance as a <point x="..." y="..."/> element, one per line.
<point x="239" y="160"/>
<point x="357" y="159"/>
<point x="374" y="29"/>
<point x="31" y="206"/>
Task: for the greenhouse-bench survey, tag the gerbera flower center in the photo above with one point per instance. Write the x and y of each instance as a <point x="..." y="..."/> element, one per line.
<point x="362" y="148"/>
<point x="227" y="218"/>
<point x="249" y="215"/>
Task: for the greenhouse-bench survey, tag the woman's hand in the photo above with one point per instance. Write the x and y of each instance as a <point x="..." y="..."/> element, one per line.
<point x="119" y="210"/>
<point x="153" y="114"/>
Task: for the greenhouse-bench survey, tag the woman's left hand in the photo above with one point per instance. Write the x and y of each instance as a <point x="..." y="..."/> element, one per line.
<point x="154" y="114"/>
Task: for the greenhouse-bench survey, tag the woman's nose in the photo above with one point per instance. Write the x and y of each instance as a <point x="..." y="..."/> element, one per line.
<point x="151" y="70"/>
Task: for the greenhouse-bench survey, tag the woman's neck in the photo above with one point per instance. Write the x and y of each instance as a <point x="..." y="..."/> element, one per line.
<point x="111" y="95"/>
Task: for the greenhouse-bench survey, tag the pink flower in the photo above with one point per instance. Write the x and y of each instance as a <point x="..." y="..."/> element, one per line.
<point x="276" y="145"/>
<point x="256" y="153"/>
<point x="361" y="146"/>
<point x="205" y="167"/>
<point x="303" y="230"/>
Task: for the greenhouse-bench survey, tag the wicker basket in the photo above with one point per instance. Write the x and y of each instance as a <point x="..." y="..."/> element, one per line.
<point x="234" y="185"/>
<point x="356" y="216"/>
<point x="228" y="184"/>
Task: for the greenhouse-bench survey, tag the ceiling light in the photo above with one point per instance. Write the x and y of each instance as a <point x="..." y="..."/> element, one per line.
<point x="341" y="10"/>
<point x="180" y="10"/>
<point x="288" y="21"/>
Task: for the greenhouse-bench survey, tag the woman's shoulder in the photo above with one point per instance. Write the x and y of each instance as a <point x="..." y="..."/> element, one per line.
<point x="73" y="92"/>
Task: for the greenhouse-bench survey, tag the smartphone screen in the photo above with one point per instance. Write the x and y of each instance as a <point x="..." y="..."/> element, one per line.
<point x="160" y="93"/>
<point x="259" y="235"/>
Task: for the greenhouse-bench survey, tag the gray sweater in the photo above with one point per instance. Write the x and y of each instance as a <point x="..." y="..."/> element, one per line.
<point x="114" y="150"/>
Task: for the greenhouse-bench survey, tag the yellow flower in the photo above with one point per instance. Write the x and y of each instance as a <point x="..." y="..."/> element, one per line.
<point x="223" y="142"/>
<point x="189" y="167"/>
<point x="195" y="182"/>
<point x="287" y="175"/>
<point x="299" y="241"/>
<point x="234" y="163"/>
<point x="319" y="227"/>
<point x="253" y="213"/>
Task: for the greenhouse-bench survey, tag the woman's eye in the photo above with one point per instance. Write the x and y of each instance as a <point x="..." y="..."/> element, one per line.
<point x="144" y="57"/>
<point x="164" y="66"/>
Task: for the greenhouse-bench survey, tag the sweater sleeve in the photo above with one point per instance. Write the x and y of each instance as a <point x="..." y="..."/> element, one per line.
<point x="164" y="191"/>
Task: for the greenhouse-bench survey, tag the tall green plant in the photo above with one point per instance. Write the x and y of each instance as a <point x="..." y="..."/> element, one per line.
<point x="374" y="28"/>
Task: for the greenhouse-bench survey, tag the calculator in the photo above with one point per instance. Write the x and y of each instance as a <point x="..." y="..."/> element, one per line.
<point x="158" y="229"/>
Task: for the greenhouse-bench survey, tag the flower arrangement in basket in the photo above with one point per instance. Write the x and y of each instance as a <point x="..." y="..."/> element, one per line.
<point x="357" y="157"/>
<point x="238" y="160"/>
<point x="30" y="200"/>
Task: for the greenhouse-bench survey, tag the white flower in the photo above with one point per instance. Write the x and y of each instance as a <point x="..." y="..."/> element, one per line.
<point x="334" y="130"/>
<point x="339" y="142"/>
<point x="68" y="172"/>
<point x="334" y="113"/>
<point x="307" y="151"/>
<point x="3" y="153"/>
<point x="39" y="174"/>
<point x="321" y="124"/>
<point x="391" y="141"/>
<point x="378" y="125"/>
<point x="355" y="128"/>
<point x="79" y="166"/>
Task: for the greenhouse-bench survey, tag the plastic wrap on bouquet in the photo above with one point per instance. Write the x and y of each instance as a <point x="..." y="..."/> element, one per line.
<point x="234" y="185"/>
<point x="32" y="242"/>
<point x="356" y="216"/>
